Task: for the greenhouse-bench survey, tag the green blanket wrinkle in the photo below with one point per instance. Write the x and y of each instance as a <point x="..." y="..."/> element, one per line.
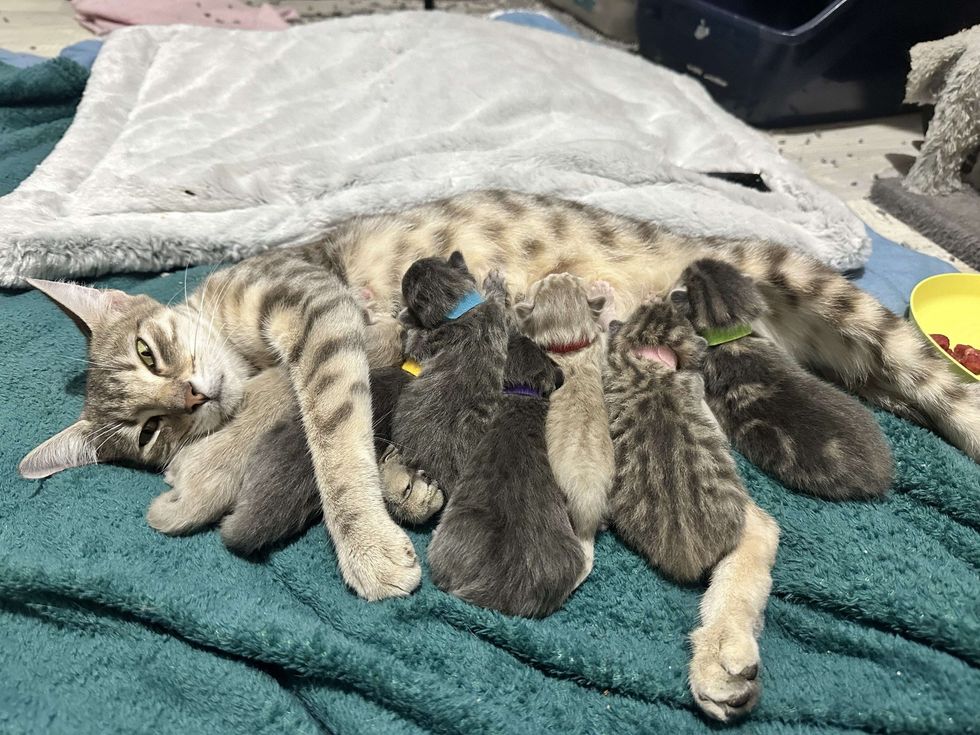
<point x="37" y="104"/>
<point x="107" y="626"/>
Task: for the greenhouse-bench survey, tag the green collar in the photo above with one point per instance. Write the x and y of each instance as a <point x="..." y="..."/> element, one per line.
<point x="726" y="334"/>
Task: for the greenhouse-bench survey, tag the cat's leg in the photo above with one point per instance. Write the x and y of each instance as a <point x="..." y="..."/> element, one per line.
<point x="410" y="495"/>
<point x="844" y="334"/>
<point x="316" y="326"/>
<point x="724" y="669"/>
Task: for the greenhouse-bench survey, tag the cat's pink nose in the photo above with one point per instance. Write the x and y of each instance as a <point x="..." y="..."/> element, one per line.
<point x="193" y="399"/>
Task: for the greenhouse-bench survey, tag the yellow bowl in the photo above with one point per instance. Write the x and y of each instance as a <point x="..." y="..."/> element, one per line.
<point x="949" y="304"/>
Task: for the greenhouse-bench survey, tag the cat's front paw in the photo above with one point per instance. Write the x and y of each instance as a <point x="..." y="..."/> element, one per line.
<point x="724" y="672"/>
<point x="377" y="559"/>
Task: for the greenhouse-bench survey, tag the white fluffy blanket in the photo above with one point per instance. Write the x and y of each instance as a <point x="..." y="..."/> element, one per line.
<point x="196" y="145"/>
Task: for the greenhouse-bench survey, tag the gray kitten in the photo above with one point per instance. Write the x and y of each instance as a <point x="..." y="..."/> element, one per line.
<point x="442" y="413"/>
<point x="808" y="434"/>
<point x="676" y="498"/>
<point x="278" y="498"/>
<point x="505" y="540"/>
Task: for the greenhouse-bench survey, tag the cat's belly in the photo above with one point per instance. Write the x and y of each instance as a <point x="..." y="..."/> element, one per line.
<point x="532" y="238"/>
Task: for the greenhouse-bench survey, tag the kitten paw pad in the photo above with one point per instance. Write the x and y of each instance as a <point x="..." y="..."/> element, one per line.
<point x="724" y="673"/>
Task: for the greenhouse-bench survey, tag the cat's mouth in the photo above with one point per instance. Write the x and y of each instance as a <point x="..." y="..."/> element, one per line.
<point x="657" y="353"/>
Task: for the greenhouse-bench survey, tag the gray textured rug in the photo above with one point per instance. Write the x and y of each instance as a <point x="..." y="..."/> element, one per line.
<point x="951" y="221"/>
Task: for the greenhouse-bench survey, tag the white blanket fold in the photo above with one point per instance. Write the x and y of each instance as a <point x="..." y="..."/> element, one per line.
<point x="196" y="145"/>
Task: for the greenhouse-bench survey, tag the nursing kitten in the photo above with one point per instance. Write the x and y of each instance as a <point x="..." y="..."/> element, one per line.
<point x="564" y="318"/>
<point x="676" y="498"/>
<point x="462" y="341"/>
<point x="808" y="434"/>
<point x="505" y="540"/>
<point x="263" y="491"/>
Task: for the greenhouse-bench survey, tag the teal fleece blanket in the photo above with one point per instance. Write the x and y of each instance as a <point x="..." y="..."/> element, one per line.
<point x="37" y="104"/>
<point x="107" y="626"/>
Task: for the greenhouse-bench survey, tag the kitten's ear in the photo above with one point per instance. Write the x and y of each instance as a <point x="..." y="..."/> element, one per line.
<point x="596" y="304"/>
<point x="407" y="319"/>
<point x="614" y="326"/>
<point x="456" y="260"/>
<point x="71" y="447"/>
<point x="86" y="306"/>
<point x="523" y="310"/>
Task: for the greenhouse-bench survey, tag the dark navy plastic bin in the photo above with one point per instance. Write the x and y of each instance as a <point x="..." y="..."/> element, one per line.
<point x="794" y="62"/>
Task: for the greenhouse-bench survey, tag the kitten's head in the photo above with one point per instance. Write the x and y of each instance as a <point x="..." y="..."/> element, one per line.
<point x="157" y="378"/>
<point x="432" y="287"/>
<point x="714" y="295"/>
<point x="558" y="311"/>
<point x="655" y="334"/>
<point x="529" y="365"/>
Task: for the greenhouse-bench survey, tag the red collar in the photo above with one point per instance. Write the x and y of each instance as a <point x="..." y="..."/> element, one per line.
<point x="561" y="349"/>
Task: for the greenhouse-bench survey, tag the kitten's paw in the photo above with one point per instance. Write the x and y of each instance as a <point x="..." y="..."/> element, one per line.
<point x="171" y="514"/>
<point x="421" y="500"/>
<point x="378" y="561"/>
<point x="495" y="287"/>
<point x="724" y="672"/>
<point x="604" y="290"/>
<point x="409" y="494"/>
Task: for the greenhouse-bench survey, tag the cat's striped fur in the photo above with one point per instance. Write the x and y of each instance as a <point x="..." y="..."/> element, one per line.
<point x="298" y="308"/>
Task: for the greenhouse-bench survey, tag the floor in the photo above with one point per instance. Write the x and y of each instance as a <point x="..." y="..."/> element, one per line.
<point x="845" y="158"/>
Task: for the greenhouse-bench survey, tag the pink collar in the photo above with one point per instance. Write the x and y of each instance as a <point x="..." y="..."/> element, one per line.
<point x="659" y="353"/>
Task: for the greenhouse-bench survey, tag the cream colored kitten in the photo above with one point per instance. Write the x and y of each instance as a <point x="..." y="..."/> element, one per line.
<point x="565" y="319"/>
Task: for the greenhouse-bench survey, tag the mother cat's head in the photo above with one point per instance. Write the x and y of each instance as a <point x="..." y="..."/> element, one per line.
<point x="158" y="377"/>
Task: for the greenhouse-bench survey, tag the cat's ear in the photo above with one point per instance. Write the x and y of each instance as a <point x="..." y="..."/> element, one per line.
<point x="523" y="310"/>
<point x="87" y="306"/>
<point x="71" y="447"/>
<point x="614" y="326"/>
<point x="456" y="260"/>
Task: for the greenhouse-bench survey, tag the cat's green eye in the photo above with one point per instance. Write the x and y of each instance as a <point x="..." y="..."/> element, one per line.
<point x="150" y="428"/>
<point x="145" y="354"/>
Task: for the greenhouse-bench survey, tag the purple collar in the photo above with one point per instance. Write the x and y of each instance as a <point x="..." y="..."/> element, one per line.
<point x="521" y="390"/>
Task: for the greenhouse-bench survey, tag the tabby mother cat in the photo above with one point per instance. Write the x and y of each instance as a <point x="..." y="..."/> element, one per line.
<point x="160" y="377"/>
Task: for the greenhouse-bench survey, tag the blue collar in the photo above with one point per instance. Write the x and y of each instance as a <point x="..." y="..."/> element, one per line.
<point x="469" y="301"/>
<point x="521" y="390"/>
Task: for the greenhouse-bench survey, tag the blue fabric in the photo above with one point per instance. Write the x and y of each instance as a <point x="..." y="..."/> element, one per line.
<point x="532" y="19"/>
<point x="82" y="53"/>
<point x="469" y="301"/>
<point x="893" y="271"/>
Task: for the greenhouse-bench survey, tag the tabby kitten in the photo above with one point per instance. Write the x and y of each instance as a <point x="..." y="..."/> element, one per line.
<point x="505" y="540"/>
<point x="808" y="434"/>
<point x="462" y="341"/>
<point x="297" y="308"/>
<point x="564" y="318"/>
<point x="676" y="497"/>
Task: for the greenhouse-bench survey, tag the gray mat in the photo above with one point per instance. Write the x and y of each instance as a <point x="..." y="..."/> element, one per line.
<point x="951" y="221"/>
